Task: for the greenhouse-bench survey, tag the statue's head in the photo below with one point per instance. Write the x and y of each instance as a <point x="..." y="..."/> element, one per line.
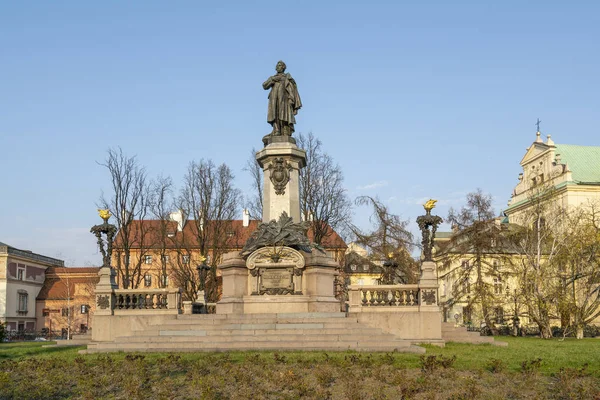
<point x="280" y="67"/>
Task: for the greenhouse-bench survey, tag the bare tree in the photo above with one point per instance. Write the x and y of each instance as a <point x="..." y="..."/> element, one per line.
<point x="254" y="202"/>
<point x="210" y="197"/>
<point x="323" y="198"/>
<point x="389" y="243"/>
<point x="127" y="202"/>
<point x="538" y="240"/>
<point x="578" y="265"/>
<point x="160" y="203"/>
<point x="476" y="243"/>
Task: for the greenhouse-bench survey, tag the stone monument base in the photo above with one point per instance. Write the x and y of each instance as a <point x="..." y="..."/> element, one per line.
<point x="307" y="283"/>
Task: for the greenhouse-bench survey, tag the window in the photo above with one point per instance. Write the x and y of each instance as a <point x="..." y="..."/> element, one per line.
<point x="497" y="285"/>
<point x="165" y="280"/>
<point x="147" y="259"/>
<point x="186" y="259"/>
<point x="353" y="267"/>
<point x="23" y="300"/>
<point x="85" y="308"/>
<point x="21" y="274"/>
<point x="165" y="258"/>
<point x="465" y="264"/>
<point x="499" y="311"/>
<point x="147" y="280"/>
<point x="65" y="312"/>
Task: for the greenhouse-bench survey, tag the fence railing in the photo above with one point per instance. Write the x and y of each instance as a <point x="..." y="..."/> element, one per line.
<point x="147" y="299"/>
<point x="362" y="297"/>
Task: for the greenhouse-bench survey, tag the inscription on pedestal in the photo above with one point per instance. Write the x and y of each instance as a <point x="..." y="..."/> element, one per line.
<point x="276" y="281"/>
<point x="276" y="270"/>
<point x="276" y="278"/>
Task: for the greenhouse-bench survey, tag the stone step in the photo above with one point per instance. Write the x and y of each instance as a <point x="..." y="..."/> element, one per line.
<point x="260" y="332"/>
<point x="241" y="321"/>
<point x="257" y="326"/>
<point x="193" y="336"/>
<point x="255" y="345"/>
<point x="273" y="316"/>
<point x="73" y="342"/>
<point x="408" y="349"/>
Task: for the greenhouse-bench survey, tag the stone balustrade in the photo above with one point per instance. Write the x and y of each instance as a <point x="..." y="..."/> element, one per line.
<point x="363" y="297"/>
<point x="147" y="299"/>
<point x="139" y="301"/>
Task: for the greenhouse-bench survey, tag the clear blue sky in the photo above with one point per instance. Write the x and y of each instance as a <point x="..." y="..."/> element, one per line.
<point x="413" y="99"/>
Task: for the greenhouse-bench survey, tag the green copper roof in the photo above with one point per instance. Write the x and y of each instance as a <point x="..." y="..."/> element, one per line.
<point x="584" y="161"/>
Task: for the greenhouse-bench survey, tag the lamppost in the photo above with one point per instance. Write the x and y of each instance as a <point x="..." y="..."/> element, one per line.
<point x="203" y="269"/>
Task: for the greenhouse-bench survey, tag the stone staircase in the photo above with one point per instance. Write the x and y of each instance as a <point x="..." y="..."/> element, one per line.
<point x="293" y="331"/>
<point x="460" y="334"/>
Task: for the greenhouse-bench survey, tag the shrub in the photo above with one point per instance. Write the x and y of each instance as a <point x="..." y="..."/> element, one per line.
<point x="2" y="332"/>
<point x="530" y="367"/>
<point x="495" y="365"/>
<point x="433" y="363"/>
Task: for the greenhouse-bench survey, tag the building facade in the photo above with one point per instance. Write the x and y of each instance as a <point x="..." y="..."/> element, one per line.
<point x="564" y="177"/>
<point x="22" y="275"/>
<point x="65" y="304"/>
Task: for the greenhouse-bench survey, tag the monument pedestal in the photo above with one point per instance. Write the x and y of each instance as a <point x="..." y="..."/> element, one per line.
<point x="281" y="162"/>
<point x="278" y="280"/>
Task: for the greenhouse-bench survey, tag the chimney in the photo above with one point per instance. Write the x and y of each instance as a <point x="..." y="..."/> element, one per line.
<point x="245" y="218"/>
<point x="178" y="217"/>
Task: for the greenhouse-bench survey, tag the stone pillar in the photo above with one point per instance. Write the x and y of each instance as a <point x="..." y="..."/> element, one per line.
<point x="281" y="161"/>
<point x="319" y="281"/>
<point x="235" y="284"/>
<point x="105" y="297"/>
<point x="428" y="274"/>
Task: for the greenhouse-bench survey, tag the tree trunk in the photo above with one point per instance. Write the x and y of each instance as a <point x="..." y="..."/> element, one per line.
<point x="579" y="332"/>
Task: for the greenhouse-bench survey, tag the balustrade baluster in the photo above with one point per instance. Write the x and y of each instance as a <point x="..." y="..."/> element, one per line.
<point x="363" y="295"/>
<point x="371" y="297"/>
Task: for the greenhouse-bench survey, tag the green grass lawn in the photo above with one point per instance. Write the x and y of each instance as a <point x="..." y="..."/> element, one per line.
<point x="568" y="369"/>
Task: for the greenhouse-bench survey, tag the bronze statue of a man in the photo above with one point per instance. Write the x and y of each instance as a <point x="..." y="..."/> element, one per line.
<point x="284" y="101"/>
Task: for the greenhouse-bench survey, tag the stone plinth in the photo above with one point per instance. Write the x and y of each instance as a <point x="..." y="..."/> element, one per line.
<point x="278" y="280"/>
<point x="281" y="162"/>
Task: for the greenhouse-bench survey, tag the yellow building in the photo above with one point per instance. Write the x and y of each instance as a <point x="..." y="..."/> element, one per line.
<point x="566" y="175"/>
<point x="572" y="171"/>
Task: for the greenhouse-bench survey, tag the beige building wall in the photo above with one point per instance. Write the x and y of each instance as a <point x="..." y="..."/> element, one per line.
<point x="22" y="274"/>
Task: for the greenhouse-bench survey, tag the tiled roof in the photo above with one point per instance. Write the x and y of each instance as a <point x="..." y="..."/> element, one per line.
<point x="60" y="282"/>
<point x="583" y="161"/>
<point x="236" y="233"/>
